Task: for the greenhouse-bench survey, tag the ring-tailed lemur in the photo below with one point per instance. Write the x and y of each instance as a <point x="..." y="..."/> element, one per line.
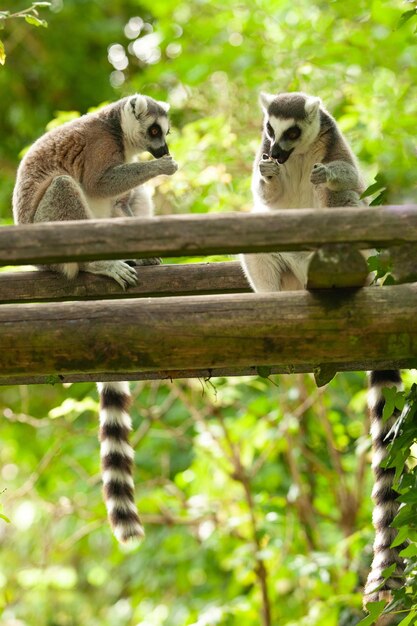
<point x="305" y="162"/>
<point x="84" y="169"/>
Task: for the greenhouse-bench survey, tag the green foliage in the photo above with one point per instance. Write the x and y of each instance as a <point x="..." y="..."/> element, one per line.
<point x="378" y="189"/>
<point x="30" y="15"/>
<point x="253" y="494"/>
<point x="230" y="475"/>
<point x="375" y="609"/>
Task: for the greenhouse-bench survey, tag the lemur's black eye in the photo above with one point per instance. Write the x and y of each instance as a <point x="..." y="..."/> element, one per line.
<point x="292" y="133"/>
<point x="270" y="130"/>
<point x="155" y="130"/>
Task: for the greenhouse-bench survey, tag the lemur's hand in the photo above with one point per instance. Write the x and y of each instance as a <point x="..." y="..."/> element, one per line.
<point x="319" y="174"/>
<point x="268" y="168"/>
<point x="167" y="165"/>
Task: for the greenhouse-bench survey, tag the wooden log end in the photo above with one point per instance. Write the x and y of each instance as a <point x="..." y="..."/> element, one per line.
<point x="337" y="266"/>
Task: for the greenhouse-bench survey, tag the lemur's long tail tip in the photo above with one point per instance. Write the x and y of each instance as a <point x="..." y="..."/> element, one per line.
<point x="131" y="536"/>
<point x="117" y="462"/>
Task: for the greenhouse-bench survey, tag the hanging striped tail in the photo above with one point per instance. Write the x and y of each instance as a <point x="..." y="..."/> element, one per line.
<point x="117" y="461"/>
<point x="384" y="496"/>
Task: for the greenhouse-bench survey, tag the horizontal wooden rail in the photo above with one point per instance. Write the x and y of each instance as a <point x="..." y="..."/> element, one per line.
<point x="213" y="372"/>
<point x="189" y="235"/>
<point x="352" y="329"/>
<point x="160" y="280"/>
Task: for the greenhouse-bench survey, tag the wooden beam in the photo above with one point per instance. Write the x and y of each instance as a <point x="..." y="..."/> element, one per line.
<point x="372" y="325"/>
<point x="264" y="371"/>
<point x="160" y="280"/>
<point x="189" y="235"/>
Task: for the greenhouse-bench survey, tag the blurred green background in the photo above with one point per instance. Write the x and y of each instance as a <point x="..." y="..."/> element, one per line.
<point x="255" y="494"/>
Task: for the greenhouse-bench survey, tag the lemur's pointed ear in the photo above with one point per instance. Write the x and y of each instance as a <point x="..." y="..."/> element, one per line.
<point x="265" y="100"/>
<point x="312" y="105"/>
<point x="164" y="105"/>
<point x="138" y="104"/>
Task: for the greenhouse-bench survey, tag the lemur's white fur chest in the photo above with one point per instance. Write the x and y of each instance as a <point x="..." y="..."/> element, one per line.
<point x="100" y="207"/>
<point x="296" y="190"/>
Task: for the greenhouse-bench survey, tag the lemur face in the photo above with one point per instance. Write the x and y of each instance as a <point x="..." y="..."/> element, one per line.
<point x="145" y="125"/>
<point x="291" y="123"/>
<point x="156" y="136"/>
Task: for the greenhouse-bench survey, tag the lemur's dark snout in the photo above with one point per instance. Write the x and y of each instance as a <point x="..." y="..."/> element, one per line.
<point x="279" y="154"/>
<point x="159" y="152"/>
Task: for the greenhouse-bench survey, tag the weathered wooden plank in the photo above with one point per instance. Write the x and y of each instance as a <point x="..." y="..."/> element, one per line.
<point x="209" y="373"/>
<point x="160" y="280"/>
<point x="202" y="332"/>
<point x="188" y="235"/>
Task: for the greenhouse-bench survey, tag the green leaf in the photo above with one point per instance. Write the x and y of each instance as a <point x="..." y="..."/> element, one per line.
<point x="409" y="551"/>
<point x="375" y="609"/>
<point x="408" y="620"/>
<point x="373" y="264"/>
<point x="324" y="374"/>
<point x="389" y="394"/>
<point x="379" y="263"/>
<point x="264" y="371"/>
<point x="35" y="21"/>
<point x="2" y="53"/>
<point x="3" y="517"/>
<point x="379" y="200"/>
<point x="376" y="186"/>
<point x="388" y="571"/>
<point x="389" y="280"/>
<point x="52" y="379"/>
<point x="405" y="17"/>
<point x="399" y="400"/>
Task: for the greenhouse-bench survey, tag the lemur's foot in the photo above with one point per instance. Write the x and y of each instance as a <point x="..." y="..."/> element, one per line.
<point x="319" y="174"/>
<point x="154" y="260"/>
<point x="120" y="271"/>
<point x="268" y="168"/>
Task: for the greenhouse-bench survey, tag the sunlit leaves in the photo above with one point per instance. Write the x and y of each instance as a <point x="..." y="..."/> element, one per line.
<point x="35" y="21"/>
<point x="375" y="609"/>
<point x="378" y="189"/>
<point x="393" y="400"/>
<point x="405" y="17"/>
<point x="30" y="15"/>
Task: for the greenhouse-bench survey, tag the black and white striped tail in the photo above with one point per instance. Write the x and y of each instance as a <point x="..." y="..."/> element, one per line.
<point x="117" y="461"/>
<point x="384" y="496"/>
